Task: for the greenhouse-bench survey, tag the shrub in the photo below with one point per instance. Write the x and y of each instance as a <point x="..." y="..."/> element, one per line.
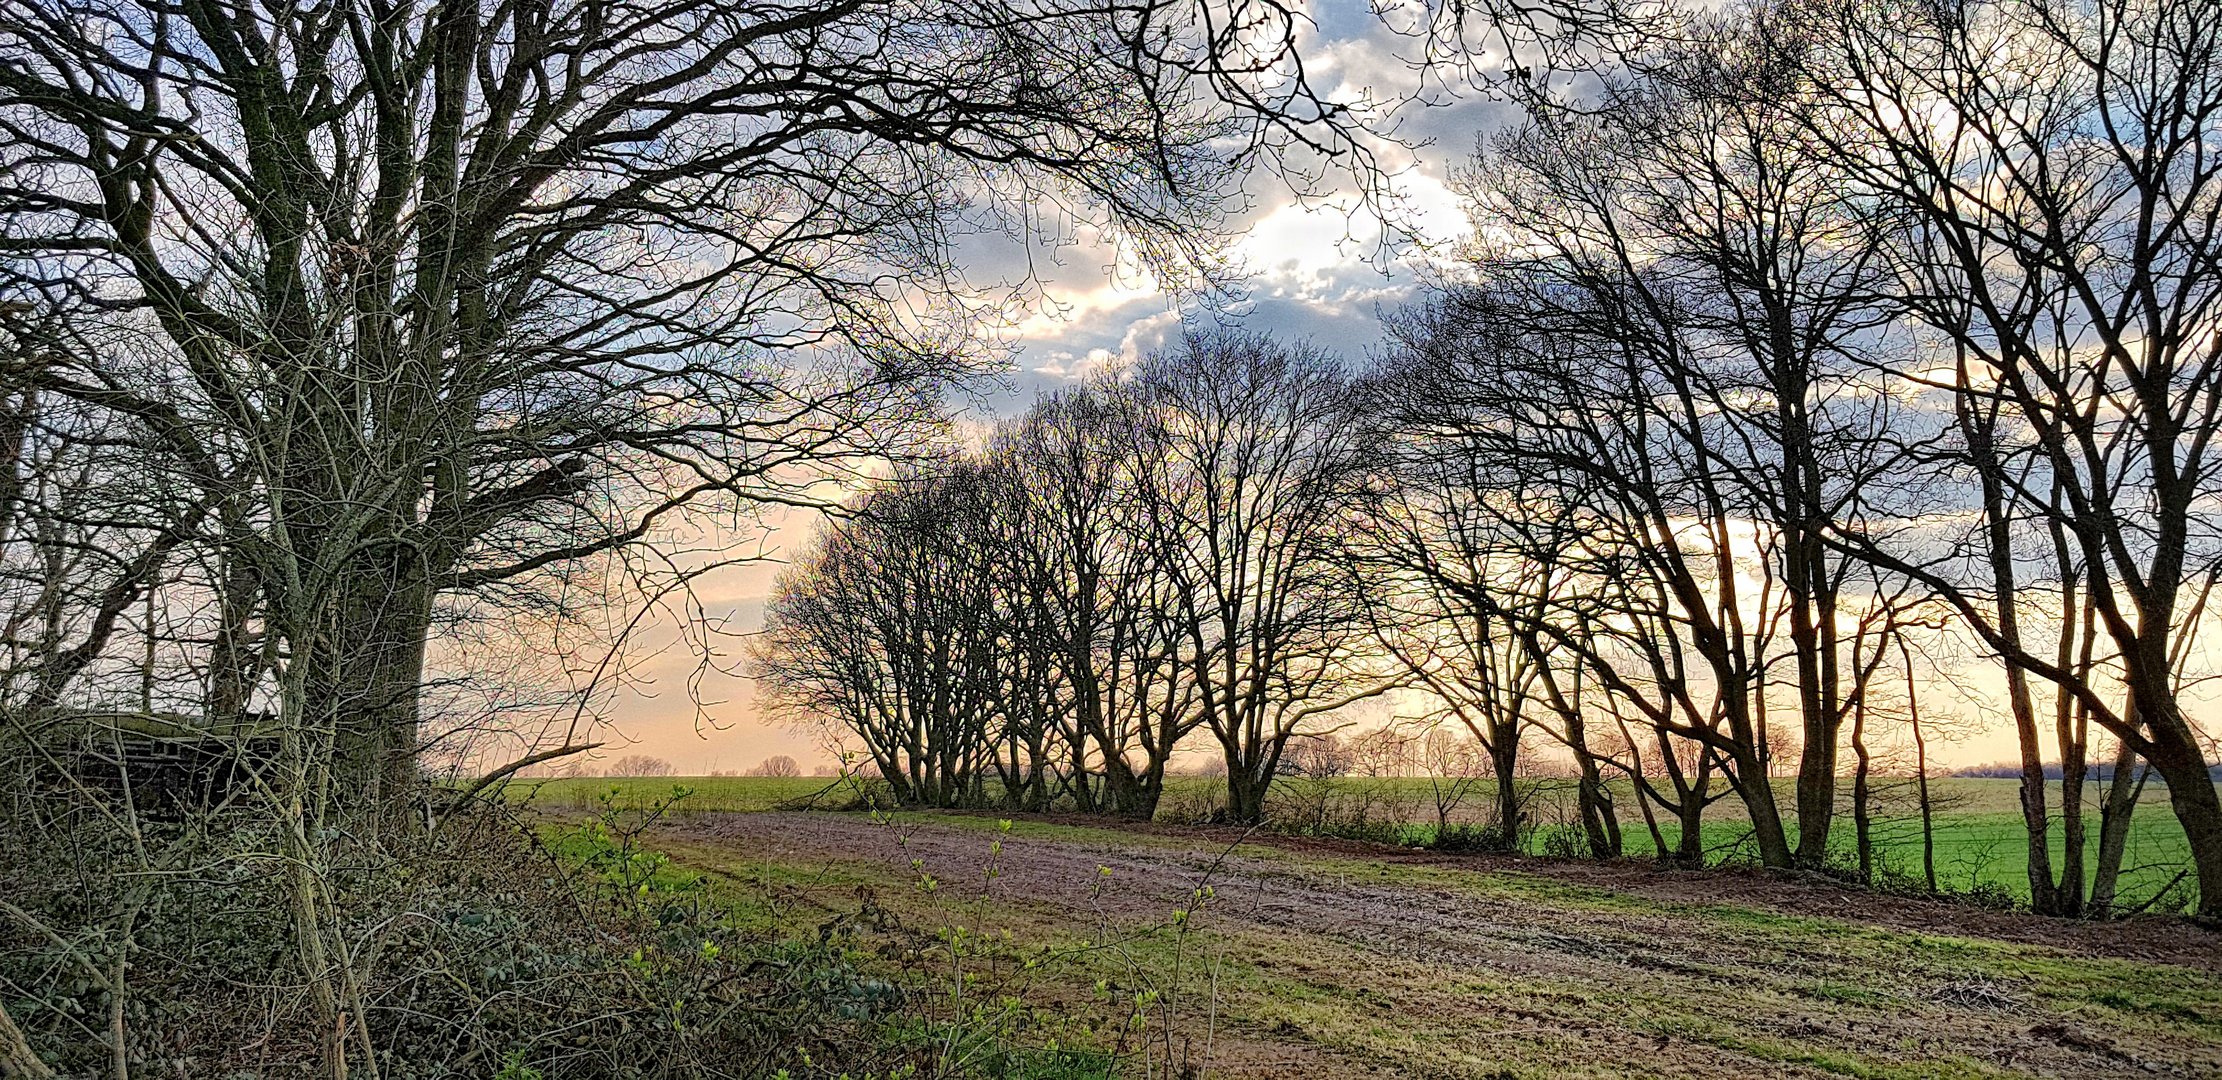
<point x="1473" y="838"/>
<point x="1563" y="841"/>
<point x="492" y="954"/>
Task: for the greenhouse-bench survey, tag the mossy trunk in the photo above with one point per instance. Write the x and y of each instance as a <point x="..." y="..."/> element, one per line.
<point x="368" y="683"/>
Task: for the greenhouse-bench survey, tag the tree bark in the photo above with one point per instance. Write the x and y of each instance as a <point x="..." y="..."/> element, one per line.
<point x="1245" y="794"/>
<point x="1757" y="791"/>
<point x="2191" y="793"/>
<point x="1690" y="845"/>
<point x="1862" y="811"/>
<point x="1504" y="762"/>
<point x="2122" y="791"/>
<point x="2036" y="821"/>
<point x="1920" y="771"/>
<point x="17" y="1061"/>
<point x="371" y="678"/>
<point x="1592" y="798"/>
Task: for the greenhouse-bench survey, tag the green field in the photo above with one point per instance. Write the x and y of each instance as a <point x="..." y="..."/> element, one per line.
<point x="702" y="792"/>
<point x="1977" y="833"/>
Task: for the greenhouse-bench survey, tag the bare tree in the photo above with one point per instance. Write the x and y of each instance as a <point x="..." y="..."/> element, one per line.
<point x="1125" y="564"/>
<point x="1683" y="218"/>
<point x="777" y="765"/>
<point x="1435" y="565"/>
<point x="888" y="628"/>
<point x="640" y="765"/>
<point x="1248" y="448"/>
<point x="1112" y="614"/>
<point x="543" y="282"/>
<point x="1595" y="466"/>
<point x="2052" y="224"/>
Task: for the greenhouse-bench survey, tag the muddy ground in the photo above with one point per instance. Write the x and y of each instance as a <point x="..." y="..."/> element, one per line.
<point x="1351" y="959"/>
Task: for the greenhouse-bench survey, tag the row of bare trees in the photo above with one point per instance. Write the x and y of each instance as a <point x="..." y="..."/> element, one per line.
<point x="1840" y="328"/>
<point x="1971" y="254"/>
<point x="1831" y="354"/>
<point x="1129" y="563"/>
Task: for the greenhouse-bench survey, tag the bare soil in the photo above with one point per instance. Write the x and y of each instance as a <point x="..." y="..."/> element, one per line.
<point x="2156" y="938"/>
<point x="1418" y="964"/>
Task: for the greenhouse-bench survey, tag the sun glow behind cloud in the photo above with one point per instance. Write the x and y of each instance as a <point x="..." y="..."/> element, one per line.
<point x="1321" y="268"/>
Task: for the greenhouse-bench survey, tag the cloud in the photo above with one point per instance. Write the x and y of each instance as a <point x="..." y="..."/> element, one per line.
<point x="1320" y="269"/>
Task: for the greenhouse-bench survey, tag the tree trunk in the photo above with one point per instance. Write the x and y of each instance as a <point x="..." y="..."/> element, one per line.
<point x="1644" y="793"/>
<point x="2036" y="822"/>
<point x="1600" y="825"/>
<point x="2191" y="793"/>
<point x="232" y="662"/>
<point x="372" y="676"/>
<point x="1690" y="846"/>
<point x="2071" y="719"/>
<point x="1806" y="580"/>
<point x="1816" y="799"/>
<point x="2068" y="895"/>
<point x="1084" y="793"/>
<point x="2122" y="791"/>
<point x="1245" y="794"/>
<point x="1817" y="708"/>
<point x="1651" y="824"/>
<point x="1766" y="817"/>
<point x="1862" y="812"/>
<point x="1126" y="794"/>
<point x="1980" y="429"/>
<point x="1921" y="786"/>
<point x="1592" y="799"/>
<point x="1504" y="763"/>
<point x="1147" y="793"/>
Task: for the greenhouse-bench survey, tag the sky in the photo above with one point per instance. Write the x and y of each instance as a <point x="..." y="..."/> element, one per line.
<point x="1316" y="271"/>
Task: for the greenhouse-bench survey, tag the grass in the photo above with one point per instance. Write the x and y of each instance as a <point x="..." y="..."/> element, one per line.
<point x="1544" y="978"/>
<point x="1978" y="832"/>
<point x="1989" y="852"/>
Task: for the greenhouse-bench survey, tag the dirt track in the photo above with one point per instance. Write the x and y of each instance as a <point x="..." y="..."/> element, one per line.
<point x="1624" y="969"/>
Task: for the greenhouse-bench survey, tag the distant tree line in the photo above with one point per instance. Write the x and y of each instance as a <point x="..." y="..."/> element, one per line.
<point x="2007" y="770"/>
<point x="1816" y="343"/>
